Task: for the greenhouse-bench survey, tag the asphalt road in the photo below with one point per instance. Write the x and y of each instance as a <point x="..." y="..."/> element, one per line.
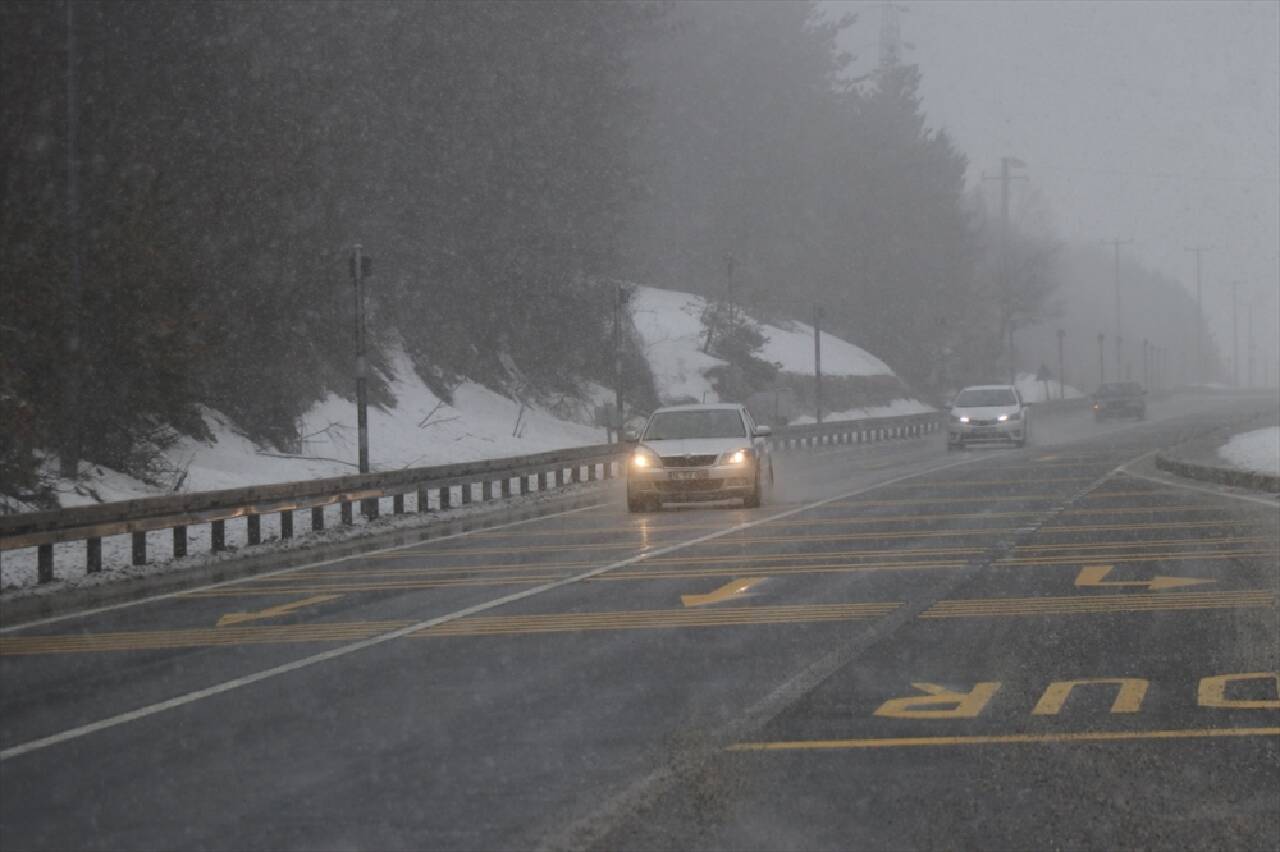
<point x="905" y="648"/>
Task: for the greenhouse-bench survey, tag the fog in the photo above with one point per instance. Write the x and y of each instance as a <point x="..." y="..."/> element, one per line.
<point x="1143" y="121"/>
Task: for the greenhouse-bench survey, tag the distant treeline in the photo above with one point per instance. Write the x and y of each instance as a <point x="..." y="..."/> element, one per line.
<point x="500" y="162"/>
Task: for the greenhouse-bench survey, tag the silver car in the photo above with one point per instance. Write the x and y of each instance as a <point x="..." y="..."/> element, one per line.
<point x="692" y="453"/>
<point x="988" y="414"/>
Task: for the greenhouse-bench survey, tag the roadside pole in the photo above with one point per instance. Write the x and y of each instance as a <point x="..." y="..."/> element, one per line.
<point x="360" y="266"/>
<point x="817" y="361"/>
<point x="1102" y="358"/>
<point x="1062" y="376"/>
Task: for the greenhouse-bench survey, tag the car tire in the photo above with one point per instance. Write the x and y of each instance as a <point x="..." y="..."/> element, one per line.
<point x="752" y="500"/>
<point x="637" y="504"/>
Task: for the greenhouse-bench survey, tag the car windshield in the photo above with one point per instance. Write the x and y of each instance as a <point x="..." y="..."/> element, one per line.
<point x="676" y="425"/>
<point x="983" y="397"/>
<point x="1118" y="389"/>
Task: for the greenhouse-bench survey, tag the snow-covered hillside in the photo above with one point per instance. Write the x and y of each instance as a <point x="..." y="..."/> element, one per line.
<point x="420" y="429"/>
<point x="671" y="331"/>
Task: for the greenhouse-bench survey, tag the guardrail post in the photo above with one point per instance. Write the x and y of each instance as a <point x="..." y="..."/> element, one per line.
<point x="286" y="523"/>
<point x="466" y="493"/>
<point x="445" y="494"/>
<point x="179" y="542"/>
<point x="140" y="548"/>
<point x="218" y="536"/>
<point x="486" y="490"/>
<point x="253" y="532"/>
<point x="347" y="519"/>
<point x="317" y="518"/>
<point x="93" y="555"/>
<point x="44" y="563"/>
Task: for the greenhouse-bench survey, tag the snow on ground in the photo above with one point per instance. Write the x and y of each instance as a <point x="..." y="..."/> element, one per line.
<point x="670" y="327"/>
<point x="1257" y="451"/>
<point x="1033" y="390"/>
<point x="896" y="408"/>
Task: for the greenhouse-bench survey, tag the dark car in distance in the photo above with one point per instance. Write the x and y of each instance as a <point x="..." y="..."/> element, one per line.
<point x="1120" y="399"/>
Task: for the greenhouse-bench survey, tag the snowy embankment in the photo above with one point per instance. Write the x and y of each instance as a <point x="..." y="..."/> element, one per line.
<point x="1035" y="390"/>
<point x="671" y="331"/>
<point x="1257" y="451"/>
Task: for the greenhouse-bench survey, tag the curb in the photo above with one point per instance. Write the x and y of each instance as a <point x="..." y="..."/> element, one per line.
<point x="1220" y="475"/>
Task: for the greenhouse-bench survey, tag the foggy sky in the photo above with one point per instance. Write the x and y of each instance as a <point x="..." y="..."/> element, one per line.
<point x="1152" y="121"/>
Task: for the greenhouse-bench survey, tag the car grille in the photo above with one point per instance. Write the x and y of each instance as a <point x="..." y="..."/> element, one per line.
<point x="973" y="422"/>
<point x="692" y="486"/>
<point x="688" y="461"/>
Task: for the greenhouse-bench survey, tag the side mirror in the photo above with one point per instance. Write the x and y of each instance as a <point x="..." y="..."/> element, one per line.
<point x="631" y="436"/>
<point x="763" y="431"/>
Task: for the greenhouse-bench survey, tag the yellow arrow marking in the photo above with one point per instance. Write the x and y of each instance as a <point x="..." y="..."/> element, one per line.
<point x="273" y="611"/>
<point x="1092" y="576"/>
<point x="723" y="593"/>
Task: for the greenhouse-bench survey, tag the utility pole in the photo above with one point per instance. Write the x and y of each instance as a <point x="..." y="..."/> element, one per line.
<point x="1199" y="369"/>
<point x="618" y="299"/>
<point x="72" y="416"/>
<point x="360" y="267"/>
<point x="1006" y="286"/>
<point x="1102" y="359"/>
<point x="1062" y="375"/>
<point x="1248" y="311"/>
<point x="729" y="266"/>
<point x="1235" y="338"/>
<point x="817" y="361"/>
<point x="1119" y="329"/>
<point x="1146" y="363"/>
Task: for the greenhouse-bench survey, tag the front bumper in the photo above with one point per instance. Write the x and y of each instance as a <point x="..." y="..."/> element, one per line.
<point x="993" y="433"/>
<point x="692" y="484"/>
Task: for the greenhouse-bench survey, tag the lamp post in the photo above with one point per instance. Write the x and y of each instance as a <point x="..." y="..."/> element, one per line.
<point x="1062" y="375"/>
<point x="1102" y="358"/>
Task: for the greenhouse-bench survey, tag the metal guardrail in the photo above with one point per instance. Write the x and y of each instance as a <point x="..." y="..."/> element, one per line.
<point x="530" y="474"/>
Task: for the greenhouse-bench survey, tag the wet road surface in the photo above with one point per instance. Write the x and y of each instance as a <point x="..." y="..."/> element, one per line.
<point x="903" y="649"/>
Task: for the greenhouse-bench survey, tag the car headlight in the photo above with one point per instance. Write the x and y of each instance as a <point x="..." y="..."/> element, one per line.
<point x="643" y="459"/>
<point x="963" y="418"/>
<point x="737" y="457"/>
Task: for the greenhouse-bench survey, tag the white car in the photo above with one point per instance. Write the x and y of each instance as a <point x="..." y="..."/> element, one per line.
<point x="988" y="414"/>
<point x="691" y="453"/>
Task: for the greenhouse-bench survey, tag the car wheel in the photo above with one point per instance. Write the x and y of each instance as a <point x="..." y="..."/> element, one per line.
<point x="637" y="504"/>
<point x="752" y="500"/>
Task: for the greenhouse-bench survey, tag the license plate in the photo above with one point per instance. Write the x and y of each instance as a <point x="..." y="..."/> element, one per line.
<point x="985" y="430"/>
<point x="688" y="474"/>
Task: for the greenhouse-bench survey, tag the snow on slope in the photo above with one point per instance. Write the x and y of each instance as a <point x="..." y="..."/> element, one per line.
<point x="1257" y="451"/>
<point x="670" y="328"/>
<point x="419" y="430"/>
<point x="1032" y="389"/>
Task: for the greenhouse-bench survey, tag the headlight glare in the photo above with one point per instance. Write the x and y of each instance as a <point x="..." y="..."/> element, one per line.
<point x="641" y="459"/>
<point x="737" y="457"/>
<point x="1002" y="418"/>
<point x="964" y="419"/>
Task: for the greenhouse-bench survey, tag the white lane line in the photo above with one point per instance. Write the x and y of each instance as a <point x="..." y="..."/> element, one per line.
<point x="334" y="653"/>
<point x="248" y="578"/>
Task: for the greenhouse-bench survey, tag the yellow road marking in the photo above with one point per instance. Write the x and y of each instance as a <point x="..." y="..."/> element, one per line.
<point x="993" y="607"/>
<point x="274" y="611"/>
<point x="1093" y="576"/>
<point x="1006" y="739"/>
<point x="656" y="619"/>
<point x="155" y="640"/>
<point x="409" y="584"/>
<point x="728" y="590"/>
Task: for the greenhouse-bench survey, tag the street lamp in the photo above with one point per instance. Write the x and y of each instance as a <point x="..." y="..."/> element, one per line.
<point x="1062" y="376"/>
<point x="1102" y="359"/>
